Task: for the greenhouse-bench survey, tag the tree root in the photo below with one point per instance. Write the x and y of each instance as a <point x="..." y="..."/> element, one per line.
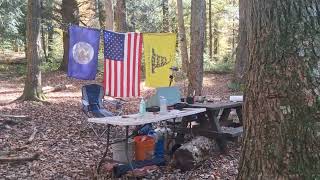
<point x="41" y="98"/>
<point x="19" y="159"/>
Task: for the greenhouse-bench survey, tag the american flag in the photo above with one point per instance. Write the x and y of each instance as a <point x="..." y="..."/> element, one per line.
<point x="122" y="53"/>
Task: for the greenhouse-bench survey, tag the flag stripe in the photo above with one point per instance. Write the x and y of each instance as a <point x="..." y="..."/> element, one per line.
<point x="139" y="53"/>
<point x="118" y="77"/>
<point x="125" y="65"/>
<point x="129" y="62"/>
<point x="112" y="77"/>
<point x="135" y="65"/>
<point x="105" y="77"/>
<point x="131" y="65"/>
<point x="108" y="81"/>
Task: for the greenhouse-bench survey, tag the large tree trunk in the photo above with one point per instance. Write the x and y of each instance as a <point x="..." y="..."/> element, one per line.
<point x="242" y="49"/>
<point x="32" y="89"/>
<point x="165" y="16"/>
<point x="182" y="37"/>
<point x="210" y="30"/>
<point x="109" y="15"/>
<point x="120" y="16"/>
<point x="70" y="15"/>
<point x="281" y="110"/>
<point x="197" y="29"/>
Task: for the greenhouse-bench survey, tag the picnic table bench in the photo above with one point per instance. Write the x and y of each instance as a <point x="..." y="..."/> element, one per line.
<point x="210" y="125"/>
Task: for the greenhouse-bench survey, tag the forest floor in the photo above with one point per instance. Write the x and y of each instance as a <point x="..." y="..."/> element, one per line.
<point x="68" y="150"/>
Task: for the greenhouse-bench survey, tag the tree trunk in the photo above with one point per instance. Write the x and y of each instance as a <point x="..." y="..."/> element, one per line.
<point x="50" y="39"/>
<point x="281" y="109"/>
<point x="70" y="15"/>
<point x="242" y="49"/>
<point x="43" y="37"/>
<point x="216" y="38"/>
<point x="44" y="46"/>
<point x="109" y="15"/>
<point x="197" y="29"/>
<point x="32" y="89"/>
<point x="101" y="14"/>
<point x="165" y="16"/>
<point x="233" y="31"/>
<point x="182" y="37"/>
<point x="120" y="16"/>
<point x="210" y="30"/>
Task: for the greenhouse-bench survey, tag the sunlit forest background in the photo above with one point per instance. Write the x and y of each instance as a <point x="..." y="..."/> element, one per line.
<point x="141" y="16"/>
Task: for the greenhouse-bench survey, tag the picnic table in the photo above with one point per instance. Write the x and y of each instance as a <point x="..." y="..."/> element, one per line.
<point x="210" y="125"/>
<point x="137" y="119"/>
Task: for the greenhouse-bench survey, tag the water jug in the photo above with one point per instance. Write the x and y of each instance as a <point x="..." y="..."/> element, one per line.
<point x="142" y="107"/>
<point x="163" y="105"/>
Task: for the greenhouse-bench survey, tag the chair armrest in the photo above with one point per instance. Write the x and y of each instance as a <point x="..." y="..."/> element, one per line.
<point x="121" y="100"/>
<point x="113" y="102"/>
<point x="84" y="102"/>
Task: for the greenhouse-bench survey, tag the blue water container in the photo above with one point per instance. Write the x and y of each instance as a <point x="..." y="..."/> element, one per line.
<point x="159" y="149"/>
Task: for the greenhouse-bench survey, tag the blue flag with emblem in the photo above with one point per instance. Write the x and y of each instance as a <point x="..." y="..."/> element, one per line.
<point x="83" y="52"/>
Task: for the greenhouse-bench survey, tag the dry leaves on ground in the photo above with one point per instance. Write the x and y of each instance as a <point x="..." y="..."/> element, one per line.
<point x="69" y="150"/>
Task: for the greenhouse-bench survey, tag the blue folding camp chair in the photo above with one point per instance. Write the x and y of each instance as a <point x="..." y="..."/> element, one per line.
<point x="93" y="104"/>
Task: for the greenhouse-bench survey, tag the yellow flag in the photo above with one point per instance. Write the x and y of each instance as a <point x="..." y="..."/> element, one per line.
<point x="159" y="56"/>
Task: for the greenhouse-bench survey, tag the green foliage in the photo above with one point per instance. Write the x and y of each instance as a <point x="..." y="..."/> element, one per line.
<point x="234" y="86"/>
<point x="12" y="21"/>
<point x="219" y="67"/>
<point x="144" y="16"/>
<point x="14" y="70"/>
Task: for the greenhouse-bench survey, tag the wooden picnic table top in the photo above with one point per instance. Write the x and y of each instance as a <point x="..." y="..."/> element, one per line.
<point x="216" y="106"/>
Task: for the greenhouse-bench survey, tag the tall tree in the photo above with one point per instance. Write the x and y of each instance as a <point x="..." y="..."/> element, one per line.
<point x="109" y="14"/>
<point x="182" y="37"/>
<point x="32" y="89"/>
<point x="216" y="37"/>
<point x="197" y="30"/>
<point x="242" y="49"/>
<point x="233" y="30"/>
<point x="210" y="30"/>
<point x="281" y="110"/>
<point x="43" y="35"/>
<point x="47" y="17"/>
<point x="120" y="16"/>
<point x="101" y="13"/>
<point x="165" y="16"/>
<point x="70" y="15"/>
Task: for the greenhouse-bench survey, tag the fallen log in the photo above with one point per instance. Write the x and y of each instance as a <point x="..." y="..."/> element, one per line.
<point x="191" y="154"/>
<point x="32" y="136"/>
<point x="14" y="61"/>
<point x="22" y="117"/>
<point x="19" y="159"/>
<point x="57" y="88"/>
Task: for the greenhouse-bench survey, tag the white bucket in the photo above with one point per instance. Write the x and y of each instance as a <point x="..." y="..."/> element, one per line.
<point x="119" y="151"/>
